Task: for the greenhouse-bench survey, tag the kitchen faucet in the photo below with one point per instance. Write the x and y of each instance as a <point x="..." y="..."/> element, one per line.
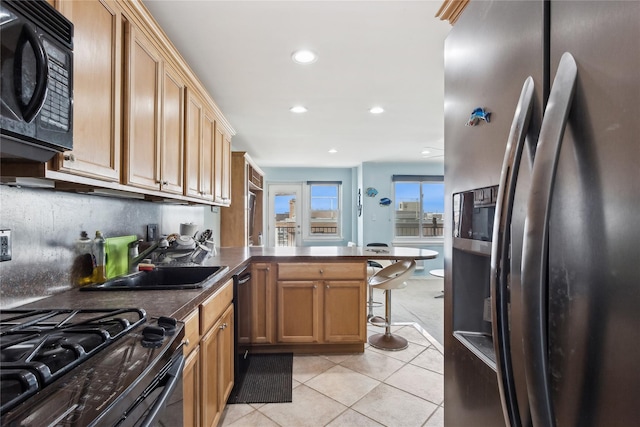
<point x="135" y="258"/>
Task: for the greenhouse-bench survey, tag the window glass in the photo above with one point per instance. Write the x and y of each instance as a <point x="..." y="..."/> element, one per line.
<point x="419" y="209"/>
<point x="324" y="210"/>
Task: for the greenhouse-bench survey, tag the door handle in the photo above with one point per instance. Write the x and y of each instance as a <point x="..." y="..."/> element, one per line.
<point x="500" y="252"/>
<point x="536" y="238"/>
<point x="31" y="107"/>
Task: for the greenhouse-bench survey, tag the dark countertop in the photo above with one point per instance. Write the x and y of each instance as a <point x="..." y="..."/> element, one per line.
<point x="179" y="303"/>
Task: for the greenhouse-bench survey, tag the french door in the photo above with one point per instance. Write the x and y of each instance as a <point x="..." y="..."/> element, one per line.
<point x="284" y="228"/>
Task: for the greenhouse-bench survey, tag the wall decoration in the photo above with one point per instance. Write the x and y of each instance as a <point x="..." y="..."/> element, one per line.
<point x="477" y="115"/>
<point x="385" y="201"/>
<point x="359" y="205"/>
<point x="371" y="192"/>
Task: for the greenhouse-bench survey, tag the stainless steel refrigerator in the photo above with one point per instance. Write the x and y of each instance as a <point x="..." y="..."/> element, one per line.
<point x="542" y="178"/>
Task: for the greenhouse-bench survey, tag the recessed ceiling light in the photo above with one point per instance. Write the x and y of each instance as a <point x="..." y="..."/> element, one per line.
<point x="333" y="151"/>
<point x="376" y="110"/>
<point x="425" y="152"/>
<point x="298" y="109"/>
<point x="304" y="56"/>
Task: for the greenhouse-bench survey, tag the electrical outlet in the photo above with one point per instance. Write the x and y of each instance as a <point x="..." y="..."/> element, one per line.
<point x="5" y="245"/>
<point x="152" y="232"/>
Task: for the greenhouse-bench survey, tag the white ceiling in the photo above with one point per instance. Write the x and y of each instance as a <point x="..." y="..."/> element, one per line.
<point x="387" y="53"/>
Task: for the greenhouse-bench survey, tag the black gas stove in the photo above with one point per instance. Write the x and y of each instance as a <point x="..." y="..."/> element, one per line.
<point x="67" y="367"/>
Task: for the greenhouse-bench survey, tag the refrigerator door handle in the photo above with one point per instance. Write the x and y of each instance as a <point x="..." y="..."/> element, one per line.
<point x="536" y="239"/>
<point x="500" y="253"/>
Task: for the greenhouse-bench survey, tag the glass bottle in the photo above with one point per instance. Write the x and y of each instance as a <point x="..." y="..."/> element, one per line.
<point x="99" y="255"/>
<point x="84" y="263"/>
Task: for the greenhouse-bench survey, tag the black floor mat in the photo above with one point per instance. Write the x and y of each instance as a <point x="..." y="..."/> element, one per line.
<point x="268" y="380"/>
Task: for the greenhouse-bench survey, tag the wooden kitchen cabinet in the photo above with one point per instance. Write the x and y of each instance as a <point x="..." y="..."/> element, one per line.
<point x="191" y="372"/>
<point x="208" y="374"/>
<point x="263" y="294"/>
<point x="154" y="121"/>
<point x="142" y="138"/>
<point x="191" y="389"/>
<point x="129" y="122"/>
<point x="222" y="167"/>
<point x="97" y="90"/>
<point x="172" y="134"/>
<point x="199" y="148"/>
<point x="344" y="311"/>
<point x="226" y="169"/>
<point x="321" y="302"/>
<point x="246" y="178"/>
<point x="217" y="368"/>
<point x="298" y="311"/>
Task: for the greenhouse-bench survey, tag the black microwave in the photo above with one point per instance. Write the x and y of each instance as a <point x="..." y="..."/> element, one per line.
<point x="36" y="90"/>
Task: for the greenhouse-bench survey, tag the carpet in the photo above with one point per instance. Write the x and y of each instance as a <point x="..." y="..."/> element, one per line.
<point x="268" y="380"/>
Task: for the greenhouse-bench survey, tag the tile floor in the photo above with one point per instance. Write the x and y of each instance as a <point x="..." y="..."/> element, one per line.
<point x="375" y="388"/>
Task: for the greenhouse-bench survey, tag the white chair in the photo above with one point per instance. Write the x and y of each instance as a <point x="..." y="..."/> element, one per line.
<point x="391" y="277"/>
<point x="374" y="266"/>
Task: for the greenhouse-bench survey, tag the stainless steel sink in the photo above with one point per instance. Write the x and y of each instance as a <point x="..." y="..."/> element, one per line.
<point x="162" y="278"/>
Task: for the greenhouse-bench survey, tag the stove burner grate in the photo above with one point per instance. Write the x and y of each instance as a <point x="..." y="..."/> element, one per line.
<point x="39" y="346"/>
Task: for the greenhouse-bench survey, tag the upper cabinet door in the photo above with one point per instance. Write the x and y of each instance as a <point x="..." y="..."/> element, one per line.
<point x="97" y="80"/>
<point x="217" y="166"/>
<point x="142" y="131"/>
<point x="172" y="122"/>
<point x="208" y="144"/>
<point x="199" y="143"/>
<point x="226" y="170"/>
<point x="193" y="144"/>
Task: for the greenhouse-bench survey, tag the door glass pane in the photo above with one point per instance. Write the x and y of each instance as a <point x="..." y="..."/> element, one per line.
<point x="285" y="219"/>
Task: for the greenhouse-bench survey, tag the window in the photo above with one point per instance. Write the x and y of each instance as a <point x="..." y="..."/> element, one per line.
<point x="324" y="213"/>
<point x="419" y="207"/>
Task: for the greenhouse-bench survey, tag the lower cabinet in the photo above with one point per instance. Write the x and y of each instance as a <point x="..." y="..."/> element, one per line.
<point x="263" y="295"/>
<point x="321" y="303"/>
<point x="216" y="349"/>
<point x="344" y="314"/>
<point x="208" y="372"/>
<point x="298" y="311"/>
<point x="191" y="388"/>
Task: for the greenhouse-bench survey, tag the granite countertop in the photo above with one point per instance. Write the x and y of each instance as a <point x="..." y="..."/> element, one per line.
<point x="179" y="303"/>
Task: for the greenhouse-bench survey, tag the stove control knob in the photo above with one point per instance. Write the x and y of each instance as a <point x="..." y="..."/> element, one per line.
<point x="169" y="324"/>
<point x="152" y="336"/>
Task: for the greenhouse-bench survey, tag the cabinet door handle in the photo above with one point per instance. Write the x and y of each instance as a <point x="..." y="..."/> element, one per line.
<point x="321" y="271"/>
<point x="315" y="287"/>
<point x="70" y="157"/>
<point x="327" y="286"/>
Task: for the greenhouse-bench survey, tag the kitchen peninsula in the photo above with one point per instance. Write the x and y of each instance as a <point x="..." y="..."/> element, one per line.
<point x="180" y="303"/>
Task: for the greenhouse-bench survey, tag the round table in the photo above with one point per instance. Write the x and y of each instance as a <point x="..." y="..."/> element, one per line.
<point x="438" y="272"/>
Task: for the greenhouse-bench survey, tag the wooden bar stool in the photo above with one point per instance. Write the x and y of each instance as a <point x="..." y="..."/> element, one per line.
<point x="391" y="277"/>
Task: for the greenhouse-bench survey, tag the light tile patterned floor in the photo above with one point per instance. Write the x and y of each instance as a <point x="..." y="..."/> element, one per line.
<point x="375" y="388"/>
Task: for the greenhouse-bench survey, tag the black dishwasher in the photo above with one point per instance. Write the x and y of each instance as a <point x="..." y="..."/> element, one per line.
<point x="242" y="303"/>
